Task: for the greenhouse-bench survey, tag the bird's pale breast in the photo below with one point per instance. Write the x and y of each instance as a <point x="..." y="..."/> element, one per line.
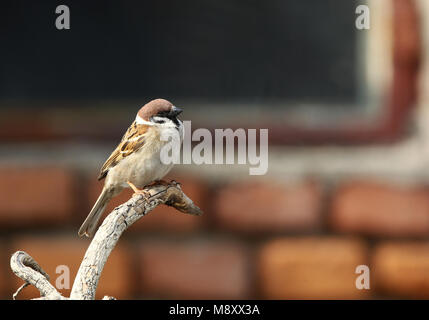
<point x="142" y="167"/>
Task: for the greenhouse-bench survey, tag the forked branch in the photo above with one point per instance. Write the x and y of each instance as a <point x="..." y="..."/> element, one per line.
<point x="105" y="239"/>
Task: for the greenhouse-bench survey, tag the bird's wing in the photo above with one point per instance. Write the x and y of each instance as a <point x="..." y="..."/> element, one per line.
<point x="132" y="141"/>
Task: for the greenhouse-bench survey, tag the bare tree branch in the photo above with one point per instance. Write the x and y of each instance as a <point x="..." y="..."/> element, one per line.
<point x="107" y="236"/>
<point x="25" y="267"/>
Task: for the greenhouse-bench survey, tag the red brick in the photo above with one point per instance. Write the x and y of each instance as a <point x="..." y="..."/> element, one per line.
<point x="50" y="252"/>
<point x="311" y="268"/>
<point x="381" y="210"/>
<point x="402" y="269"/>
<point x="35" y="195"/>
<point x="163" y="217"/>
<point x="269" y="206"/>
<point x="5" y="275"/>
<point x="194" y="270"/>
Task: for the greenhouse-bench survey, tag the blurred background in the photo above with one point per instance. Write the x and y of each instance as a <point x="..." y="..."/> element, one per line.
<point x="348" y="119"/>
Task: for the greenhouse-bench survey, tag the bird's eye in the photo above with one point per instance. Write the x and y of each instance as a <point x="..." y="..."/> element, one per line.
<point x="159" y="120"/>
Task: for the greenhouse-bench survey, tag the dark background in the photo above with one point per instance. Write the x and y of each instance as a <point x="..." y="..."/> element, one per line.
<point x="222" y="51"/>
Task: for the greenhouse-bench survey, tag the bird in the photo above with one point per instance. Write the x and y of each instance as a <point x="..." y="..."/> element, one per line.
<point x="136" y="162"/>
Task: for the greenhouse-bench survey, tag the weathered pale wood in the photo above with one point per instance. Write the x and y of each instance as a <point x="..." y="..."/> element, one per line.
<point x="105" y="239"/>
<point x="25" y="267"/>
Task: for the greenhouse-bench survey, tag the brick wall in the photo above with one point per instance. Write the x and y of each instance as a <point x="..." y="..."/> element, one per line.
<point x="268" y="239"/>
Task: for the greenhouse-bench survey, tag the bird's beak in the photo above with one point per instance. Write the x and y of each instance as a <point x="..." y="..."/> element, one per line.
<point x="175" y="111"/>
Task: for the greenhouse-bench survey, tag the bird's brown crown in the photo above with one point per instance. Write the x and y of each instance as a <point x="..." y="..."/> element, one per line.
<point x="154" y="107"/>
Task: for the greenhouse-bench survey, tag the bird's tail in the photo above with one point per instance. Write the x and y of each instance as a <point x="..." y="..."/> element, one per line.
<point x="90" y="224"/>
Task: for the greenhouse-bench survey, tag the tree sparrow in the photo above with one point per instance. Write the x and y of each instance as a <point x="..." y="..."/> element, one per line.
<point x="136" y="161"/>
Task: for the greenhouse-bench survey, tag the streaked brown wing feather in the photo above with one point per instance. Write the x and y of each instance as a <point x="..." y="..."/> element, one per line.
<point x="132" y="141"/>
